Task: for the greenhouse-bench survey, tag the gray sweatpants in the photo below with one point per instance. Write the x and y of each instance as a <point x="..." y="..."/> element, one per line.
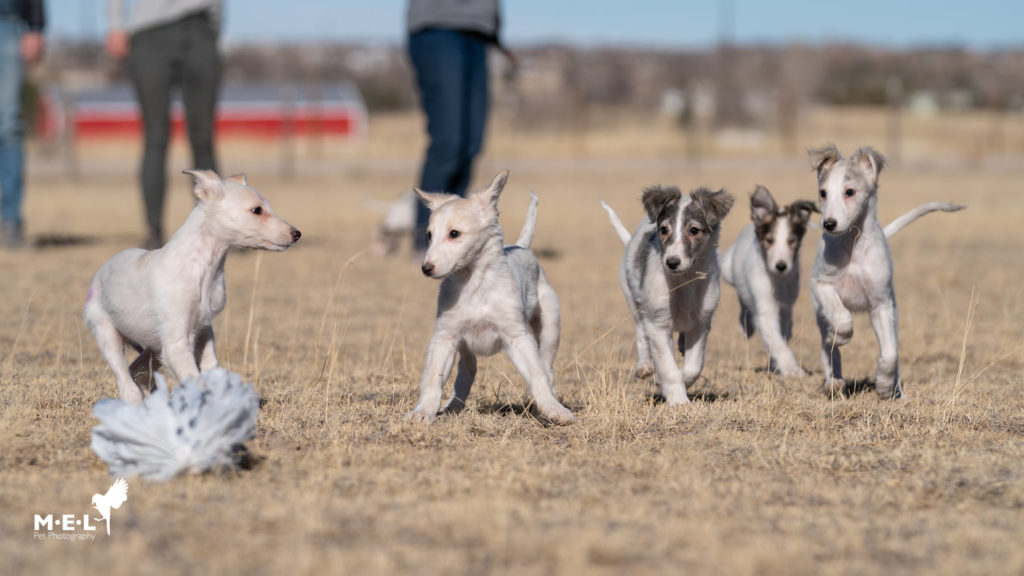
<point x="180" y="54"/>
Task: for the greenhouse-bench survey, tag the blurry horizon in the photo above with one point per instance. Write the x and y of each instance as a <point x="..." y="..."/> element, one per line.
<point x="663" y="24"/>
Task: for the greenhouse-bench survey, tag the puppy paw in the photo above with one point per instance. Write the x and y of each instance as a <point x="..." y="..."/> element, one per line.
<point x="676" y="398"/>
<point x="834" y="387"/>
<point x="422" y="416"/>
<point x="643" y="370"/>
<point x="793" y="372"/>
<point x="889" y="391"/>
<point x="557" y="414"/>
<point x="844" y="329"/>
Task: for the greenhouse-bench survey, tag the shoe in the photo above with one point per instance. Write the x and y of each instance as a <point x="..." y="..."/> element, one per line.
<point x="14" y="236"/>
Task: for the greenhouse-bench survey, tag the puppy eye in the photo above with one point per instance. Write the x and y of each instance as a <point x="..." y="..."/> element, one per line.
<point x="850" y="192"/>
<point x="663" y="230"/>
<point x="822" y="193"/>
<point x="454" y="234"/>
<point x="257" y="210"/>
<point x="792" y="240"/>
<point x="769" y="239"/>
<point x="428" y="237"/>
<point x="694" y="231"/>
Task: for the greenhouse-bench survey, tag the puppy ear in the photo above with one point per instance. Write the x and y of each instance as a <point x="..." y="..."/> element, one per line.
<point x="801" y="210"/>
<point x="714" y="204"/>
<point x="657" y="198"/>
<point x="208" y="186"/>
<point x="240" y="178"/>
<point x="870" y="161"/>
<point x="762" y="205"/>
<point x="823" y="158"/>
<point x="434" y="200"/>
<point x="491" y="194"/>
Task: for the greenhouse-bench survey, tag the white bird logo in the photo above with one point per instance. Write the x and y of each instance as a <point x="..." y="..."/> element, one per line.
<point x="114" y="497"/>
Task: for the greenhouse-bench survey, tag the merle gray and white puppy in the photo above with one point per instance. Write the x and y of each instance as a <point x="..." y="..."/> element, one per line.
<point x="669" y="276"/>
<point x="764" y="267"/>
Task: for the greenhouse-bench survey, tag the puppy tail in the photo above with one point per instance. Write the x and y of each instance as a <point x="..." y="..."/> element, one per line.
<point x="620" y="229"/>
<point x="902" y="222"/>
<point x="526" y="234"/>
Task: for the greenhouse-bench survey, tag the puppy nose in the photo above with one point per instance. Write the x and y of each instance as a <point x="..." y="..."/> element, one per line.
<point x="781" y="266"/>
<point x="672" y="262"/>
<point x="296" y="235"/>
<point x="427" y="268"/>
<point x="829" y="224"/>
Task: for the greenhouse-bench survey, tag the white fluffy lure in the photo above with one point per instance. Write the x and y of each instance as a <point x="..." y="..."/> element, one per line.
<point x="194" y="429"/>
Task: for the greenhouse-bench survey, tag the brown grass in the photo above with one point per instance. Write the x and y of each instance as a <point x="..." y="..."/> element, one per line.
<point x="757" y="476"/>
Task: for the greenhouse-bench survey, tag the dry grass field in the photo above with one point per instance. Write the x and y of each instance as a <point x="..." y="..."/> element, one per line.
<point x="756" y="476"/>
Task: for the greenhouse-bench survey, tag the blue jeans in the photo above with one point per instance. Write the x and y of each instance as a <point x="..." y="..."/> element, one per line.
<point x="451" y="71"/>
<point x="12" y="159"/>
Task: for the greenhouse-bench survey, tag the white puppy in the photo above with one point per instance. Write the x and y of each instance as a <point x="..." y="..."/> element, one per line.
<point x="492" y="297"/>
<point x="853" y="269"/>
<point x="764" y="267"/>
<point x="162" y="301"/>
<point x="669" y="276"/>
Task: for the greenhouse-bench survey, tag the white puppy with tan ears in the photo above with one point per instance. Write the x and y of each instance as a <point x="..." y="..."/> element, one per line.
<point x="493" y="297"/>
<point x="162" y="301"/>
<point x="853" y="269"/>
<point x="669" y="276"/>
<point x="764" y="267"/>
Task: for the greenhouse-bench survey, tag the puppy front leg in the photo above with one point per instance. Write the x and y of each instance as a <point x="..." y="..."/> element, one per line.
<point x="206" y="356"/>
<point x="885" y="320"/>
<point x="695" y="341"/>
<point x="773" y="330"/>
<point x="829" y="307"/>
<point x="440" y="357"/>
<point x="523" y="352"/>
<point x="142" y="370"/>
<point x="668" y="375"/>
<point x="831" y="358"/>
<point x="835" y="323"/>
<point x="179" y="355"/>
<point x="111" y="345"/>
<point x="463" y="381"/>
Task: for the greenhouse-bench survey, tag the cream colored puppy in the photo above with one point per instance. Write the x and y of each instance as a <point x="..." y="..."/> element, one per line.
<point x="493" y="297"/>
<point x="162" y="301"/>
<point x="853" y="270"/>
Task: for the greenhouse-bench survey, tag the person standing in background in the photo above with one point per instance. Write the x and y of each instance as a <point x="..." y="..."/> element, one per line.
<point x="448" y="42"/>
<point x="169" y="43"/>
<point x="21" y="41"/>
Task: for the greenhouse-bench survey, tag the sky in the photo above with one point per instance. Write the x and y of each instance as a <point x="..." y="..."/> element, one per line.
<point x="976" y="24"/>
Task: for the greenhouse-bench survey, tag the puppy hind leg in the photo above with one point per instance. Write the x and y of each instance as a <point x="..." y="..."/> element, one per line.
<point x="142" y="370"/>
<point x="206" y="356"/>
<point x="463" y="382"/>
<point x="548" y="329"/>
<point x="524" y="354"/>
<point x="644" y="365"/>
<point x="747" y="325"/>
